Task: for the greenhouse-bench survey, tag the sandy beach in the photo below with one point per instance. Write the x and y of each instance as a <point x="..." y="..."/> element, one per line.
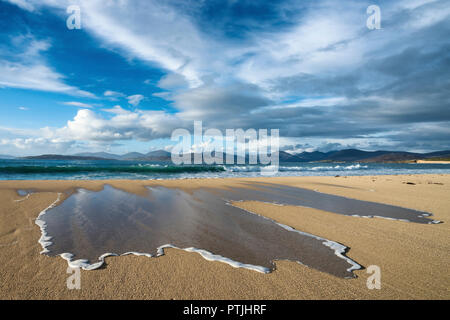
<point x="413" y="257"/>
<point x="432" y="162"/>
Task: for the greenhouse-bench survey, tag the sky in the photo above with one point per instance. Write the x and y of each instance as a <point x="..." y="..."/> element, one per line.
<point x="138" y="70"/>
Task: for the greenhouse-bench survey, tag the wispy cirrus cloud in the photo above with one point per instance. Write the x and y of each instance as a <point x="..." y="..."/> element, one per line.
<point x="135" y="100"/>
<point x="24" y="4"/>
<point x="23" y="66"/>
<point x="77" y="104"/>
<point x="113" y="94"/>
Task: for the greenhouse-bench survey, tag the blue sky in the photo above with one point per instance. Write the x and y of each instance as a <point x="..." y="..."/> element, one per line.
<point x="137" y="70"/>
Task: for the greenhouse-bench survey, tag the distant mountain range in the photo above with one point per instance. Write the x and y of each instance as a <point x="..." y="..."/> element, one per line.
<point x="159" y="155"/>
<point x="348" y="155"/>
<point x="61" y="157"/>
<point x="355" y="155"/>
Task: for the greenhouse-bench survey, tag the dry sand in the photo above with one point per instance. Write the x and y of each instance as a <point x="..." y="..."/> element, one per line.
<point x="413" y="258"/>
<point x="432" y="162"/>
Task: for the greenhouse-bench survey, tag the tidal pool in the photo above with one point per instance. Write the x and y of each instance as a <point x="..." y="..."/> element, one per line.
<point x="89" y="226"/>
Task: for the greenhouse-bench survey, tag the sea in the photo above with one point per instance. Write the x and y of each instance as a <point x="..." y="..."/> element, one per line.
<point x="109" y="169"/>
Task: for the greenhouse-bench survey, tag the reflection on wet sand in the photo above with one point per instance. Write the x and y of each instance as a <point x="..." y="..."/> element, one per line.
<point x="286" y="195"/>
<point x="90" y="224"/>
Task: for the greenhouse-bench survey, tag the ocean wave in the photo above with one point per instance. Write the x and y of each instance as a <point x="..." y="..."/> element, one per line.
<point x="257" y="168"/>
<point x="339" y="167"/>
<point x="119" y="169"/>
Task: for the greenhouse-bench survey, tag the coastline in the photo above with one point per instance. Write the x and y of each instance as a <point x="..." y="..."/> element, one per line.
<point x="403" y="250"/>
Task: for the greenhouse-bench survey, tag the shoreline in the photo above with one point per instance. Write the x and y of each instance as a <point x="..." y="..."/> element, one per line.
<point x="401" y="249"/>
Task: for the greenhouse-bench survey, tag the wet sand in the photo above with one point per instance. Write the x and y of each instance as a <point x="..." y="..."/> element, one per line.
<point x="89" y="225"/>
<point x="413" y="257"/>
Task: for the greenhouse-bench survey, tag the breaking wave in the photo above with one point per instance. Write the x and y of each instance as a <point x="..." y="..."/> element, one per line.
<point x="141" y="169"/>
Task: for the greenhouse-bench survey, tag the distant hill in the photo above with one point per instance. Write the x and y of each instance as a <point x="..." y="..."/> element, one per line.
<point x="352" y="155"/>
<point x="311" y="156"/>
<point x="103" y="155"/>
<point x="445" y="154"/>
<point x="159" y="155"/>
<point x="61" y="157"/>
<point x="132" y="156"/>
<point x="6" y="157"/>
<point x="287" y="157"/>
<point x="394" y="157"/>
<point x="438" y="159"/>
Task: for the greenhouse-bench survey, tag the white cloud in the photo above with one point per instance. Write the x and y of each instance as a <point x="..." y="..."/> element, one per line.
<point x="29" y="69"/>
<point x="36" y="77"/>
<point x="174" y="42"/>
<point x="113" y="94"/>
<point x="172" y="81"/>
<point x="163" y="95"/>
<point x="122" y="125"/>
<point x="307" y="103"/>
<point x="116" y="110"/>
<point x="77" y="104"/>
<point x="27" y="146"/>
<point x="135" y="100"/>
